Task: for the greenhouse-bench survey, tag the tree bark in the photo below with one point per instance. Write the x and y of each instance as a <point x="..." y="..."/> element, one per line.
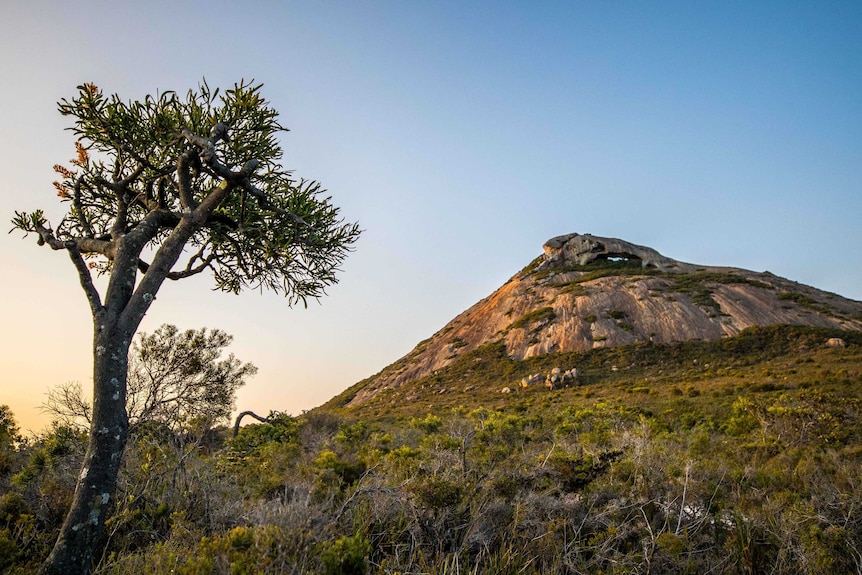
<point x="115" y="323"/>
<point x="80" y="533"/>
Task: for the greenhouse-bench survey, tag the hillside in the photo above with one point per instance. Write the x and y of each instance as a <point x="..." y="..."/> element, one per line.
<point x="735" y="456"/>
<point x="732" y="451"/>
<point x="587" y="292"/>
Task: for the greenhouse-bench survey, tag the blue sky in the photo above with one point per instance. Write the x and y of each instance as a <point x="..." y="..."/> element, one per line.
<point x="461" y="135"/>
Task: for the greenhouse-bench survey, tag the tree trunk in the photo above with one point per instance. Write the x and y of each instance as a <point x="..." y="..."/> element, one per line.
<point x="79" y="537"/>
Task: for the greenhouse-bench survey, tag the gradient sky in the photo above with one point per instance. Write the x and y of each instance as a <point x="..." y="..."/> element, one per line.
<point x="461" y="135"/>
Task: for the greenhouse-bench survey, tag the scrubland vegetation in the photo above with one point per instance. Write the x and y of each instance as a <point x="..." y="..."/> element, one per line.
<point x="737" y="456"/>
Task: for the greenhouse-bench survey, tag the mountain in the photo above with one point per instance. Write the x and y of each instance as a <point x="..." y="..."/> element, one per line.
<point x="587" y="292"/>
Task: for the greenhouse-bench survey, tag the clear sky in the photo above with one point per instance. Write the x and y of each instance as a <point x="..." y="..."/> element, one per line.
<point x="461" y="135"/>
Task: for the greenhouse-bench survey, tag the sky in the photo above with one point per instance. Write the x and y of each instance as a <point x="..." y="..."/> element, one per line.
<point x="461" y="136"/>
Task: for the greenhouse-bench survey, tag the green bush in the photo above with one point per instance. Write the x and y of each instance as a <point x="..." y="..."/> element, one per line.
<point x="346" y="556"/>
<point x="435" y="493"/>
<point x="9" y="552"/>
<point x="429" y="424"/>
<point x="541" y="315"/>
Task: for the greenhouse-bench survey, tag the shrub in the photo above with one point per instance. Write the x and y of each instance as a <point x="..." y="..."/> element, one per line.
<point x="437" y="493"/>
<point x="541" y="315"/>
<point x="429" y="424"/>
<point x="346" y="556"/>
<point x="8" y="550"/>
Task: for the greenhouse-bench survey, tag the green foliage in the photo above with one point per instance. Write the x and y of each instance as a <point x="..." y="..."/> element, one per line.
<point x="438" y="493"/>
<point x="713" y="470"/>
<point x="573" y="288"/>
<point x="260" y="454"/>
<point x="799" y="298"/>
<point x="351" y="433"/>
<point x="531" y="267"/>
<point x="279" y="428"/>
<point x="10" y="438"/>
<point x="599" y="268"/>
<point x="178" y="377"/>
<point x="346" y="472"/>
<point x="346" y="556"/>
<point x="457" y="342"/>
<point x="9" y="552"/>
<point x="429" y="424"/>
<point x="275" y="233"/>
<point x="540" y="315"/>
<point x="49" y="452"/>
<point x="9" y="432"/>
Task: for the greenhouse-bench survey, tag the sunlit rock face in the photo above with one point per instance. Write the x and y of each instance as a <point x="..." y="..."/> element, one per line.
<point x="587" y="292"/>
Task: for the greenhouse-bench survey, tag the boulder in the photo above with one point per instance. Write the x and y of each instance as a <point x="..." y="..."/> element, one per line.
<point x="532" y="380"/>
<point x="581" y="249"/>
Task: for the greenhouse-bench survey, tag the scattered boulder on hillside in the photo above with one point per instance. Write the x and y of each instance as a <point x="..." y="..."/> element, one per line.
<point x="553" y="380"/>
<point x="559" y="378"/>
<point x="835" y="342"/>
<point x="532" y="380"/>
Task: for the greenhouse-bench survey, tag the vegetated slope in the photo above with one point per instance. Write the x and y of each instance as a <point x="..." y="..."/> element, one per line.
<point x="762" y="357"/>
<point x="588" y="292"/>
<point x="740" y="455"/>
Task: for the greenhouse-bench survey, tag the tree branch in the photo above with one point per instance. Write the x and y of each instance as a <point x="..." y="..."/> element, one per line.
<point x="263" y="202"/>
<point x="84" y="245"/>
<point x="118" y="229"/>
<point x="207" y="145"/>
<point x="250" y="414"/>
<point x="80" y="215"/>
<point x="86" y="279"/>
<point x="187" y="200"/>
<point x="189" y="271"/>
<point x="240" y="178"/>
<point x="46" y="236"/>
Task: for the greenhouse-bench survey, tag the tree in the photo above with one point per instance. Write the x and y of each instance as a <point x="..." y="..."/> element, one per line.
<point x="167" y="188"/>
<point x="10" y="437"/>
<point x="175" y="378"/>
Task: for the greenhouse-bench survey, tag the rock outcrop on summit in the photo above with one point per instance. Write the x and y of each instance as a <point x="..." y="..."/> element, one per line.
<point x="588" y="291"/>
<point x="578" y="249"/>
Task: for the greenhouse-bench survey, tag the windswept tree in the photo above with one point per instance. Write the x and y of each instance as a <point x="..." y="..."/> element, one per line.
<point x="176" y="378"/>
<point x="166" y="188"/>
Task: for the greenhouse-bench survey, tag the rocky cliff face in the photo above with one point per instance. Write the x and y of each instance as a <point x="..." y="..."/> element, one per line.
<point x="587" y="292"/>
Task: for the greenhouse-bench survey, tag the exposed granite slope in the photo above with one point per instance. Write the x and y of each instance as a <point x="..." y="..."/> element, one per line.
<point x="587" y="292"/>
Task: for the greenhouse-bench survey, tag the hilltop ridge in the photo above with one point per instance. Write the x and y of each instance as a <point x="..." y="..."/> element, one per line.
<point x="586" y="292"/>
